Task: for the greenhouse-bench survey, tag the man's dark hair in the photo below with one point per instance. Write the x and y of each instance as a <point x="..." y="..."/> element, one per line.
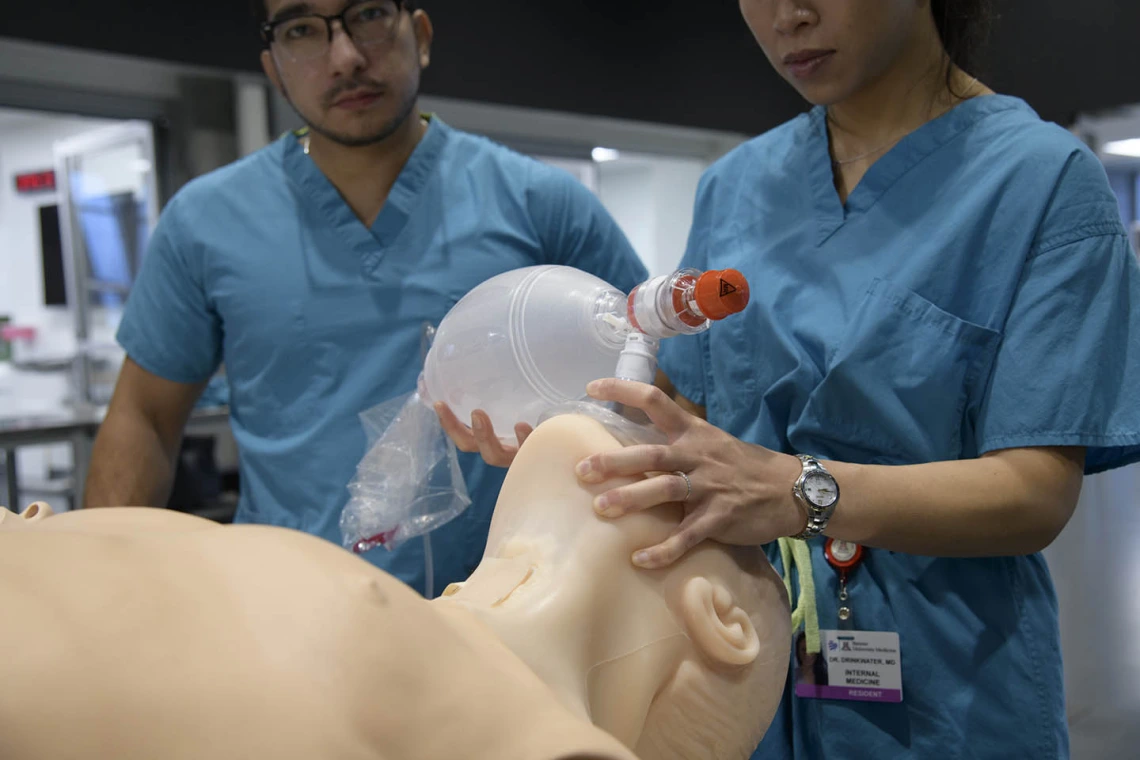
<point x="261" y="11"/>
<point x="963" y="27"/>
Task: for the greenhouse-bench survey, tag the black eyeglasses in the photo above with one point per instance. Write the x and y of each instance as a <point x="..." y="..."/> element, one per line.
<point x="306" y="36"/>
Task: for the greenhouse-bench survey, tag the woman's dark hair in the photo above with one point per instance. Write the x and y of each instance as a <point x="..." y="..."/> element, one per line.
<point x="963" y="27"/>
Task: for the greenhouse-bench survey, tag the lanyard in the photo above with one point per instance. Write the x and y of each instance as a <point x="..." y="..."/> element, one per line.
<point x="844" y="556"/>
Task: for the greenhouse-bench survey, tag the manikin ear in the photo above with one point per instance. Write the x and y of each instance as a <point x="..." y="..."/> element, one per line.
<point x="425" y="33"/>
<point x="719" y="628"/>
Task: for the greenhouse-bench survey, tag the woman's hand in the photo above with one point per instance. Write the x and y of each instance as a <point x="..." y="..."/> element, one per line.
<point x="480" y="436"/>
<point x="739" y="493"/>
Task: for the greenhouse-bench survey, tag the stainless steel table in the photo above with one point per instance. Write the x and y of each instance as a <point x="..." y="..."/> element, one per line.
<point x="78" y="428"/>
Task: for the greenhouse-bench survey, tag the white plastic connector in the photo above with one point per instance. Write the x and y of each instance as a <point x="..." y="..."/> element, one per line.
<point x="638" y="360"/>
<point x="616" y="323"/>
<point x="644" y="300"/>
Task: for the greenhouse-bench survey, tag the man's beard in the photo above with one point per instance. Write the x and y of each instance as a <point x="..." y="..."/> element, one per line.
<point x="385" y="131"/>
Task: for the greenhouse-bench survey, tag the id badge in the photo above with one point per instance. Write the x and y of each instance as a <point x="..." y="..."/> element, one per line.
<point x="863" y="666"/>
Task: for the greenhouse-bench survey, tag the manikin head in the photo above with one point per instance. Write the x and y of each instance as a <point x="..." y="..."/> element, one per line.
<point x="685" y="662"/>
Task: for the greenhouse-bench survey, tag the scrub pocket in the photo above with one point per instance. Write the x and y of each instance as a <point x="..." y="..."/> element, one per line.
<point x="325" y="333"/>
<point x="356" y="341"/>
<point x="899" y="384"/>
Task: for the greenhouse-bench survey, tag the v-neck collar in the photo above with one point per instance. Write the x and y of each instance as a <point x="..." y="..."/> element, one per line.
<point x="369" y="242"/>
<point x="884" y="173"/>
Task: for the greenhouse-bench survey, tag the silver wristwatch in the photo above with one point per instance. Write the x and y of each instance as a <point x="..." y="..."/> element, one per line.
<point x="818" y="492"/>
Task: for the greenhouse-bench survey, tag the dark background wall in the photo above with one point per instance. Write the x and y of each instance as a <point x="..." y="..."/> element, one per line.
<point x="688" y="62"/>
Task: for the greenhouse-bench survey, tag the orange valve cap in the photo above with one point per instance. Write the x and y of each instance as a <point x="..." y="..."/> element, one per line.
<point x="720" y="293"/>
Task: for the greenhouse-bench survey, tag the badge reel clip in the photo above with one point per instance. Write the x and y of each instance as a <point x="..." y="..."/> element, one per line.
<point x="844" y="556"/>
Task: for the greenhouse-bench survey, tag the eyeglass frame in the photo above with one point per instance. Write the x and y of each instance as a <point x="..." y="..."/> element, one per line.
<point x="268" y="28"/>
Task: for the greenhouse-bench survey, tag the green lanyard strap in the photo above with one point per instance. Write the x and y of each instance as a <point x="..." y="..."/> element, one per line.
<point x="795" y="553"/>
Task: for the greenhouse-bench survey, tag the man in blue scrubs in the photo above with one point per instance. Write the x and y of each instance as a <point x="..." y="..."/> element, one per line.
<point x="310" y="269"/>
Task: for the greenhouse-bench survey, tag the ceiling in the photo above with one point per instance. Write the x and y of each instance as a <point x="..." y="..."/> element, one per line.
<point x="691" y="62"/>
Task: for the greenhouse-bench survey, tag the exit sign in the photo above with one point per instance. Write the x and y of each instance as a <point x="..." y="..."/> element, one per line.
<point x="35" y="182"/>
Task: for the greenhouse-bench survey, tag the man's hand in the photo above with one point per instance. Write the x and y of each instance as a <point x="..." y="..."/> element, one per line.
<point x="481" y="436"/>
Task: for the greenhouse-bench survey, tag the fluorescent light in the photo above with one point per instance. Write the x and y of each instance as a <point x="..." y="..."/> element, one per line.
<point x="602" y="155"/>
<point x="1124" y="147"/>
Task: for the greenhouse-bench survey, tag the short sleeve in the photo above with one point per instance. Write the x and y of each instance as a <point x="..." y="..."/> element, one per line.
<point x="1067" y="372"/>
<point x="577" y="231"/>
<point x="168" y="326"/>
<point x="683" y="358"/>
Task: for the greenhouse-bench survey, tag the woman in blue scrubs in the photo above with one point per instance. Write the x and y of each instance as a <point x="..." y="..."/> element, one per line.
<point x="944" y="317"/>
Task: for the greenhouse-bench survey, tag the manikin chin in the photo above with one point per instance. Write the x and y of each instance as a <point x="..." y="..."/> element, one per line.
<point x="152" y="633"/>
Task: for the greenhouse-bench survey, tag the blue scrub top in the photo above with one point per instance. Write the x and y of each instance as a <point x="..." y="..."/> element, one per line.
<point x="261" y="265"/>
<point x="976" y="292"/>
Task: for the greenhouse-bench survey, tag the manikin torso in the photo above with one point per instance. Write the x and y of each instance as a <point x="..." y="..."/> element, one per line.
<point x="137" y="633"/>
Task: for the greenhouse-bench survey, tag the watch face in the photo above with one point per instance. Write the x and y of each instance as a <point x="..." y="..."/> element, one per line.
<point x="820" y="490"/>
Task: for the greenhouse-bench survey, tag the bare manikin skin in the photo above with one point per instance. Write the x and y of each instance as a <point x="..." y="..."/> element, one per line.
<point x="141" y="633"/>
